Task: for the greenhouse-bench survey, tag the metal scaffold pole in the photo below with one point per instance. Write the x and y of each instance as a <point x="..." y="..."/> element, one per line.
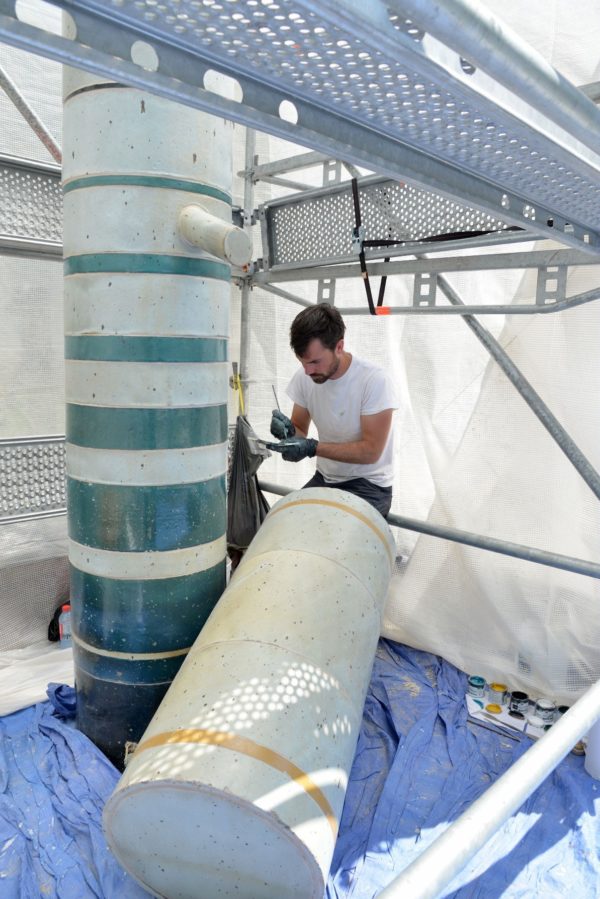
<point x="245" y="323"/>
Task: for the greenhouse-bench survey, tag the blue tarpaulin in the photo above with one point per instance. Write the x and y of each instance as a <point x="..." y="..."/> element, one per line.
<point x="54" y="783"/>
<point x="419" y="764"/>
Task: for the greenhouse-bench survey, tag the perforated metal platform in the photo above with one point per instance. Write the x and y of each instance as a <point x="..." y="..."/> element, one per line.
<point x="429" y="93"/>
<point x="30" y="207"/>
<point x="315" y="227"/>
<point x="32" y="478"/>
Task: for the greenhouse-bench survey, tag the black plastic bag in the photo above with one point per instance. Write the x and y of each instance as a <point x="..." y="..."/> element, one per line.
<point x="246" y="507"/>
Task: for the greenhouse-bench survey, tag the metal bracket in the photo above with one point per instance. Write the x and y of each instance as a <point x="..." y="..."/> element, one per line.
<point x="551" y="284"/>
<point x="424" y="289"/>
<point x="326" y="291"/>
<point x="332" y="172"/>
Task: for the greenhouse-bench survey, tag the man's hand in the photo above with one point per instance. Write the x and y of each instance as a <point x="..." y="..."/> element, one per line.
<point x="281" y="426"/>
<point x="295" y="449"/>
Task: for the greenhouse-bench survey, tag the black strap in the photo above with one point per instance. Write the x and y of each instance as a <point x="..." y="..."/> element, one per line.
<point x="382" y="284"/>
<point x="361" y="255"/>
<point x="436" y="238"/>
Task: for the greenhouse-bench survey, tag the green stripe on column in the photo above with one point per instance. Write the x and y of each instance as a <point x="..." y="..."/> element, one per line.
<point x="147" y="181"/>
<point x="146" y="349"/>
<point x="143" y="616"/>
<point x="144" y="519"/>
<point x="145" y="263"/>
<point x="104" y="427"/>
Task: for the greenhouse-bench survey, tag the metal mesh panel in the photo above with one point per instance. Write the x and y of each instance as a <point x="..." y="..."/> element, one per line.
<point x="401" y="93"/>
<point x="30" y="203"/>
<point x="32" y="393"/>
<point x="32" y="478"/>
<point x="39" y="81"/>
<point x="319" y="227"/>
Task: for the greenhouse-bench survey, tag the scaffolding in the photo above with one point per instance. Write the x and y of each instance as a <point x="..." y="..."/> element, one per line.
<point x="457" y="136"/>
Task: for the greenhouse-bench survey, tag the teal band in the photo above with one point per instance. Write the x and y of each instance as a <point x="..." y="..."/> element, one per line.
<point x="161" y="181"/>
<point x="146" y="349"/>
<point x="104" y="427"/>
<point x="145" y="263"/>
<point x="144" y="616"/>
<point x="146" y="519"/>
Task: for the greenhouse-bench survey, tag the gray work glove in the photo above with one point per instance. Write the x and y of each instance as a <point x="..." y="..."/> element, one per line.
<point x="295" y="449"/>
<point x="281" y="426"/>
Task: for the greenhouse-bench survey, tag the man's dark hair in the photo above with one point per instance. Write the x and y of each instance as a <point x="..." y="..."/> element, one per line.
<point x="322" y="322"/>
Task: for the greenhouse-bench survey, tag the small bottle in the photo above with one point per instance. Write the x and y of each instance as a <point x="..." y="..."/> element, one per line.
<point x="64" y="626"/>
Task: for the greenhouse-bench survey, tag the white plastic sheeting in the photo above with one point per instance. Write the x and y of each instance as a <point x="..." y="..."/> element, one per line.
<point x="25" y="674"/>
<point x="33" y="565"/>
<point x="470" y="453"/>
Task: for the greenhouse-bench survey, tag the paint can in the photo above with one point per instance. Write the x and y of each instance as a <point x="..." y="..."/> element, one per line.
<point x="561" y="711"/>
<point x="535" y="721"/>
<point x="518" y="702"/>
<point x="476" y="686"/>
<point x="497" y="693"/>
<point x="546" y="710"/>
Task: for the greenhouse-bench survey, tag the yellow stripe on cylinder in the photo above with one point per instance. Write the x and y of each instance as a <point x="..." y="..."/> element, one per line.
<point x="252" y="746"/>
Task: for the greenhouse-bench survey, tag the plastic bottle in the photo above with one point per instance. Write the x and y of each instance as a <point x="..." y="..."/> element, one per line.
<point x="64" y="626"/>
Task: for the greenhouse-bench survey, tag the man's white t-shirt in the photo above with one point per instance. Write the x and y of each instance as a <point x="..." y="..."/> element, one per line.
<point x="336" y="406"/>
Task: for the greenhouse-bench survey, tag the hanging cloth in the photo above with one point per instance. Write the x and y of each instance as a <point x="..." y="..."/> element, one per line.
<point x="247" y="507"/>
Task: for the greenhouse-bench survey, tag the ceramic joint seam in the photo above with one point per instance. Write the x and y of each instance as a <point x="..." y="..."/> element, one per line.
<point x="264" y="554"/>
<point x="344" y="509"/>
<point x="130" y="656"/>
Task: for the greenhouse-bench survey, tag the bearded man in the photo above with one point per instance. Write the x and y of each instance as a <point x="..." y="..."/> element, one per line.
<point x="351" y="403"/>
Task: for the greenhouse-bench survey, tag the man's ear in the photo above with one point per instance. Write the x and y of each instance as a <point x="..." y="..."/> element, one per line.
<point x="339" y="347"/>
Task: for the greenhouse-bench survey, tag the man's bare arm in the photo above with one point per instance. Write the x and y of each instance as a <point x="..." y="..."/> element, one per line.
<point x="367" y="450"/>
<point x="300" y="420"/>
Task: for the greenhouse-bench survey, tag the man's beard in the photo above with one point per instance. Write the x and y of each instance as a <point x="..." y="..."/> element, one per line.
<point x="320" y="379"/>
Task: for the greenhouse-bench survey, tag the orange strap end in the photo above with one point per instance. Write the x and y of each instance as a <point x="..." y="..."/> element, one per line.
<point x="382" y="310"/>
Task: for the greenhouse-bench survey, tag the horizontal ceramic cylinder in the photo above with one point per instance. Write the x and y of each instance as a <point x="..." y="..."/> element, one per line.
<point x="133" y="219"/>
<point x="253" y="744"/>
<point x="202" y="229"/>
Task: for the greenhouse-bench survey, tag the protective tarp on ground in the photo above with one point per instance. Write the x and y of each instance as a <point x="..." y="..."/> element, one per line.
<point x="54" y="783"/>
<point x="418" y="765"/>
